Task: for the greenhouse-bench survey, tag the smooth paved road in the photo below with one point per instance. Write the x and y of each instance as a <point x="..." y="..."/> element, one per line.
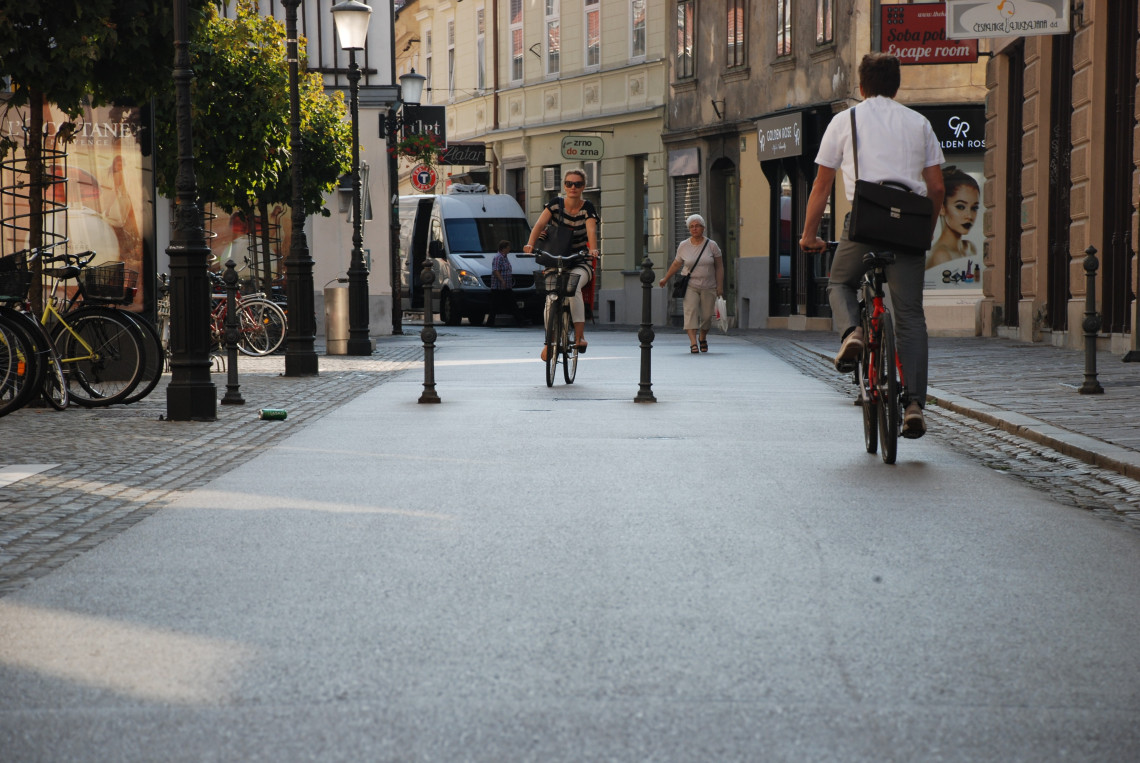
<point x="533" y="574"/>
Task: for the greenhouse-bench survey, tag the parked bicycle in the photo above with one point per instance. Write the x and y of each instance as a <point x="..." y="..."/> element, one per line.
<point x="261" y="321"/>
<point x="111" y="286"/>
<point x="28" y="361"/>
<point x="559" y="285"/>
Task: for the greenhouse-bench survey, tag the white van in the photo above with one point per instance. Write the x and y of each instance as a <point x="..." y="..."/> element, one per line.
<point x="462" y="230"/>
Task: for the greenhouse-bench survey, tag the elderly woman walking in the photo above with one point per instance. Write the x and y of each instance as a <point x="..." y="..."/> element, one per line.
<point x="700" y="258"/>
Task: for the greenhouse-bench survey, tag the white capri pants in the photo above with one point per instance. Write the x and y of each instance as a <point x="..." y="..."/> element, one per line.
<point x="577" y="306"/>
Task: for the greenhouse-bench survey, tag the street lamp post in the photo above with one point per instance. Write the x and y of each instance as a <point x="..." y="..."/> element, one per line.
<point x="300" y="353"/>
<point x="411" y="89"/>
<point x="351" y="19"/>
<point x="191" y="395"/>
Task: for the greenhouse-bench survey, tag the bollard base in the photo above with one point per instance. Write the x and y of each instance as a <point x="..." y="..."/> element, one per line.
<point x="1132" y="356"/>
<point x="1091" y="389"/>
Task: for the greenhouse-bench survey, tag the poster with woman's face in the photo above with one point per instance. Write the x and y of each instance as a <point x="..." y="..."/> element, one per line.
<point x="954" y="261"/>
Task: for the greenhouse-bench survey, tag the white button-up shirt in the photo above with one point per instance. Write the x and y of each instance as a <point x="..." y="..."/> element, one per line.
<point x="895" y="143"/>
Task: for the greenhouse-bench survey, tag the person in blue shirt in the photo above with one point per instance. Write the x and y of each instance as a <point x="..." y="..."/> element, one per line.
<point x="502" y="283"/>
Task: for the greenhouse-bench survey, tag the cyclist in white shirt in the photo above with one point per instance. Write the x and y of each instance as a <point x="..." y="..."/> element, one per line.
<point x="896" y="144"/>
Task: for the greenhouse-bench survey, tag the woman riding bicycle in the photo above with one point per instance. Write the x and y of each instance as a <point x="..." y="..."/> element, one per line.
<point x="579" y="215"/>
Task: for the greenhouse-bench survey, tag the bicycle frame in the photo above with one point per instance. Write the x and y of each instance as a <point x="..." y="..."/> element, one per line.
<point x="873" y="284"/>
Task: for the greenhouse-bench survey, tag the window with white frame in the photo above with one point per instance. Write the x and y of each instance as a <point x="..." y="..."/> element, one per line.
<point x="684" y="61"/>
<point x="516" y="31"/>
<point x="737" y="15"/>
<point x="824" y="22"/>
<point x="783" y="28"/>
<point x="593" y="20"/>
<point x="637" y="29"/>
<point x="451" y="60"/>
<point x="480" y="52"/>
<point x="553" y="37"/>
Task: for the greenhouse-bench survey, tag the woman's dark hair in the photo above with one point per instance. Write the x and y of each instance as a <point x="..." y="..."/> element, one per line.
<point x="954" y="178"/>
<point x="879" y="75"/>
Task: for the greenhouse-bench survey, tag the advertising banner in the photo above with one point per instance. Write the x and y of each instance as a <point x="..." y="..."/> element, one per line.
<point x="98" y="187"/>
<point x="916" y="34"/>
<point x="954" y="261"/>
<point x="971" y="19"/>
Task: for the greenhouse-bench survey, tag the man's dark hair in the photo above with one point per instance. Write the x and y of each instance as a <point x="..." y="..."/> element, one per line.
<point x="504" y="246"/>
<point x="879" y="75"/>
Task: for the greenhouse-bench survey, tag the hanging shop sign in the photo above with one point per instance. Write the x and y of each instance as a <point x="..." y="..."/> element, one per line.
<point x="959" y="129"/>
<point x="464" y="154"/>
<point x="971" y="19"/>
<point x="583" y="147"/>
<point x="778" y="137"/>
<point x="423" y="178"/>
<point x="425" y="120"/>
<point x="916" y="34"/>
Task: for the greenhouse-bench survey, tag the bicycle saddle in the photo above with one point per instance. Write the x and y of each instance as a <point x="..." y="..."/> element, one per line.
<point x="878" y="259"/>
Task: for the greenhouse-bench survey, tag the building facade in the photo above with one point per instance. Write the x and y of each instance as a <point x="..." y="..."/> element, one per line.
<point x="753" y="87"/>
<point x="1061" y="176"/>
<point x="548" y="86"/>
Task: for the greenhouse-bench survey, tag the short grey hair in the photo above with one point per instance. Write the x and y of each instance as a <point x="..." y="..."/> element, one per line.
<point x="695" y="219"/>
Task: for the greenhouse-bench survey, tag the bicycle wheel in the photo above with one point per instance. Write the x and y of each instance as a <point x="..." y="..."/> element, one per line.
<point x="569" y="349"/>
<point x="54" y="386"/>
<point x="17" y="361"/>
<point x="261" y="326"/>
<point x="888" y="389"/>
<point x="553" y="341"/>
<point x="154" y="357"/>
<point x="867" y="394"/>
<point x="103" y="355"/>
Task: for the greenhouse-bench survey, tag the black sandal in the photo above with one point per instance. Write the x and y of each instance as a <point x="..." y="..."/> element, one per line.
<point x="704" y="346"/>
<point x="693" y="349"/>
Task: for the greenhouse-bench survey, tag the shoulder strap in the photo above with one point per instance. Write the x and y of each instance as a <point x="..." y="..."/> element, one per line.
<point x="854" y="142"/>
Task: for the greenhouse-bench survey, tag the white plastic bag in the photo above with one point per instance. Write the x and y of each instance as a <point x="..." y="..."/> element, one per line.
<point x="720" y="315"/>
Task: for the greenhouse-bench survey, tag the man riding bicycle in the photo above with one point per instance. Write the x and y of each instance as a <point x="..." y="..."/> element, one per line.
<point x="895" y="144"/>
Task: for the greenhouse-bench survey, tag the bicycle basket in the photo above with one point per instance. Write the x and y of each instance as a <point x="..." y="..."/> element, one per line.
<point x="110" y="283"/>
<point x="15" y="278"/>
<point x="549" y="282"/>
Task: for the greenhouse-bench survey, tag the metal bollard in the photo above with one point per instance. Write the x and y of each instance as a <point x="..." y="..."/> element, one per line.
<point x="233" y="389"/>
<point x="646" y="335"/>
<point x="1091" y="325"/>
<point x="428" y="335"/>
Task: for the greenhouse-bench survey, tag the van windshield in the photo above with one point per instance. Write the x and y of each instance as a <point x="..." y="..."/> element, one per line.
<point x="471" y="235"/>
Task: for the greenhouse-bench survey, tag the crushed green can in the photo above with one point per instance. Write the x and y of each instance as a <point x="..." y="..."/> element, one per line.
<point x="272" y="414"/>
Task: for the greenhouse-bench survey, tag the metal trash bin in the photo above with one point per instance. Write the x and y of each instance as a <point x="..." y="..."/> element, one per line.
<point x="336" y="321"/>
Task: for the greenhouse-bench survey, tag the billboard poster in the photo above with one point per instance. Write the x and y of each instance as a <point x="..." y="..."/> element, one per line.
<point x="916" y="34"/>
<point x="954" y="262"/>
<point x="971" y="19"/>
<point x="99" y="191"/>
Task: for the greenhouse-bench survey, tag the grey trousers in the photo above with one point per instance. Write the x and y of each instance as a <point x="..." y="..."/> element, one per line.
<point x="904" y="287"/>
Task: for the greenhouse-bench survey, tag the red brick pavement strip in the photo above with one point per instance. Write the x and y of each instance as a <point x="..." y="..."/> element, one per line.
<point x="1029" y="390"/>
<point x="116" y="466"/>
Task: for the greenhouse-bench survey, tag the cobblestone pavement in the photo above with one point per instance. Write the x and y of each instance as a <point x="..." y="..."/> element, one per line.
<point x="116" y="466"/>
<point x="112" y="467"/>
<point x="979" y="368"/>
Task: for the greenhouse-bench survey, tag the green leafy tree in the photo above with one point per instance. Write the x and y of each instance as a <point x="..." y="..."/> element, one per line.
<point x="240" y="104"/>
<point x="66" y="51"/>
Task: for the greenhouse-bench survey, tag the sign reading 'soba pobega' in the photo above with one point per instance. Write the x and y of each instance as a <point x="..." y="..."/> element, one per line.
<point x="971" y="19"/>
<point x="582" y="147"/>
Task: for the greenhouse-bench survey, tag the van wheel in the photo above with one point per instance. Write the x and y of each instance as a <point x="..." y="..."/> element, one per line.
<point x="447" y="312"/>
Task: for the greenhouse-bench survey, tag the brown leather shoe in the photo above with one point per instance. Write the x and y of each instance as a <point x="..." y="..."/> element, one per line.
<point x="849" y="351"/>
<point x="914" y="425"/>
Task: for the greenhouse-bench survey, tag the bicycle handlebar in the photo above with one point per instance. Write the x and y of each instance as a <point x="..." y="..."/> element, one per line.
<point x="553" y="260"/>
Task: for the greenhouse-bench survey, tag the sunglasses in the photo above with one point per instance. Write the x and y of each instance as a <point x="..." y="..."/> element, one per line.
<point x="575" y="183"/>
